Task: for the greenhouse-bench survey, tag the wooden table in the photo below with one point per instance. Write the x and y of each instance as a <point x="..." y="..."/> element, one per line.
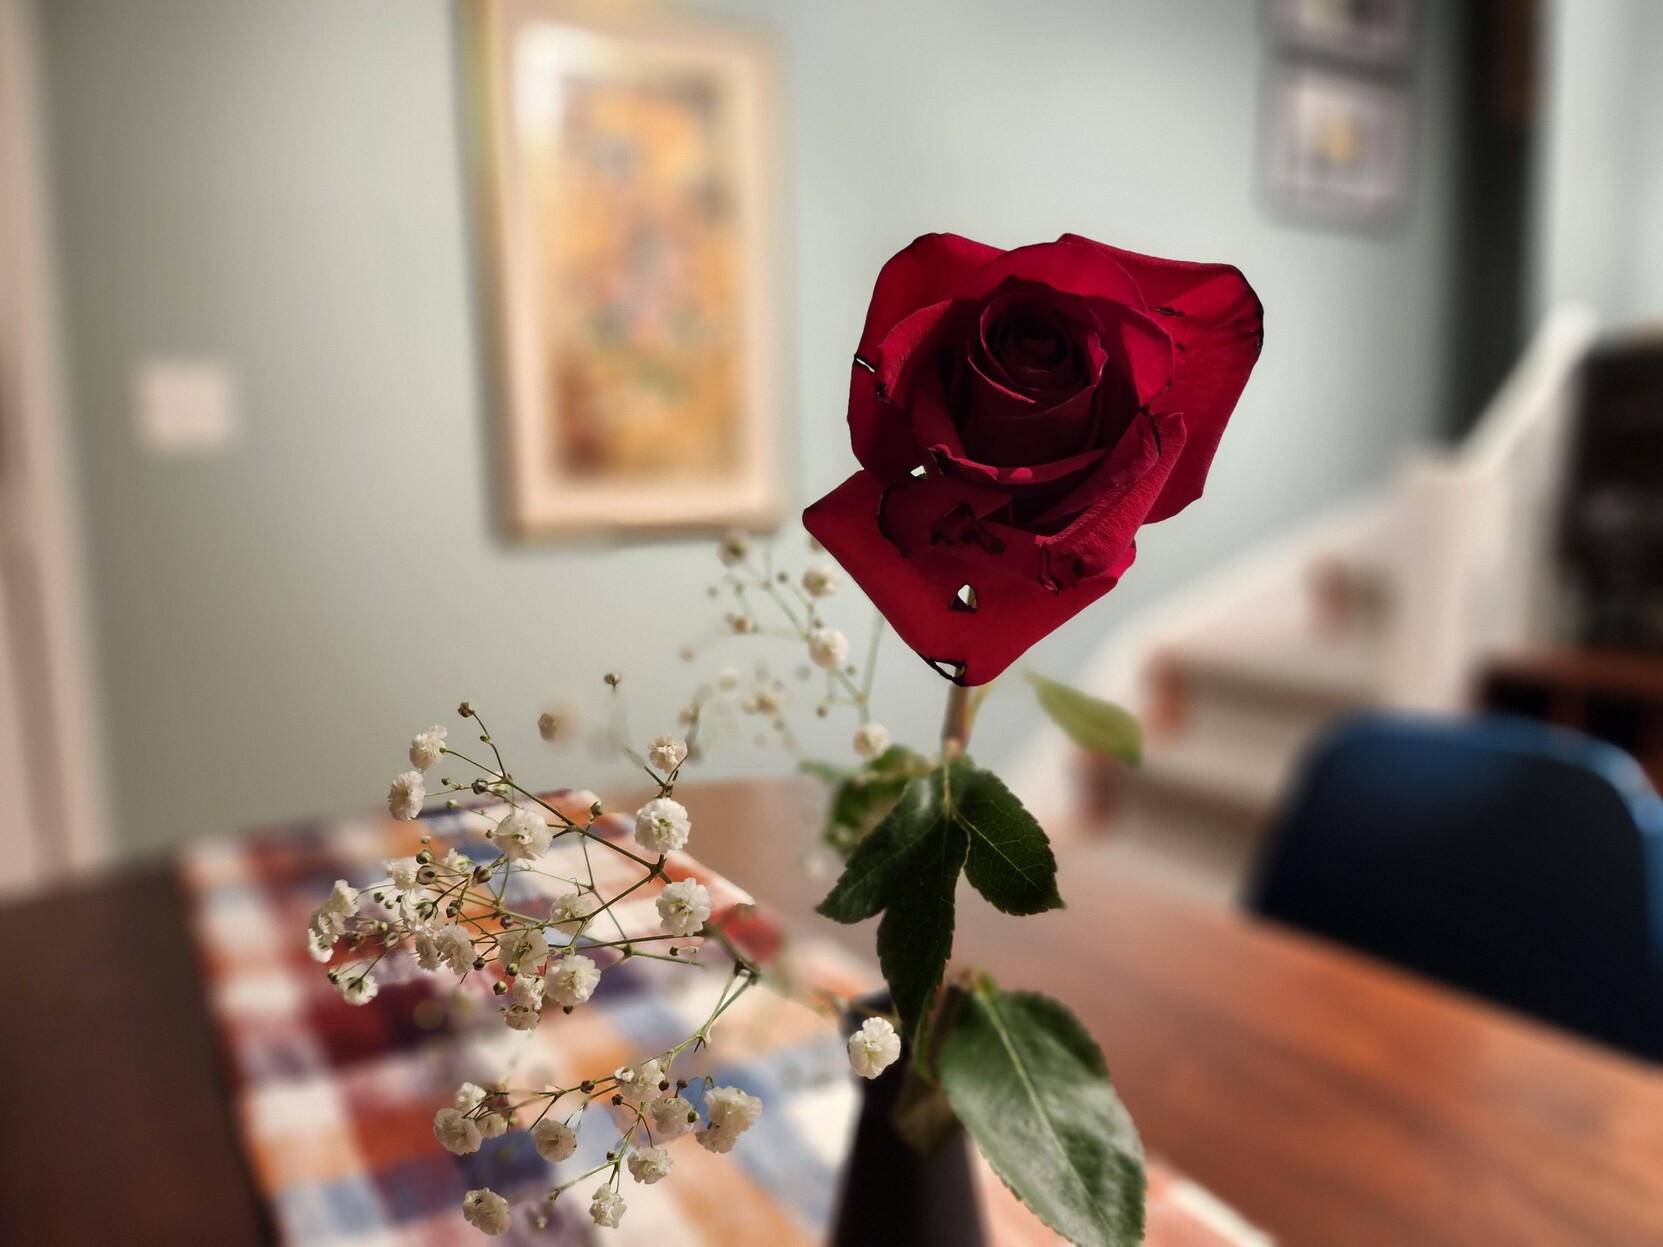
<point x="1333" y="1101"/>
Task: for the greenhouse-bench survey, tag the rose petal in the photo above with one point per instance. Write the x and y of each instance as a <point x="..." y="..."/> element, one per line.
<point x="1005" y="429"/>
<point x="1071" y="316"/>
<point x="882" y="438"/>
<point x="917" y="513"/>
<point x="1071" y="264"/>
<point x="927" y="270"/>
<point x="1149" y="439"/>
<point x="931" y="416"/>
<point x="1091" y="530"/>
<point x="919" y="595"/>
<point x="1140" y="350"/>
<point x="1216" y="323"/>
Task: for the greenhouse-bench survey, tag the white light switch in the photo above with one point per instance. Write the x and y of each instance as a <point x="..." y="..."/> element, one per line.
<point x="185" y="407"/>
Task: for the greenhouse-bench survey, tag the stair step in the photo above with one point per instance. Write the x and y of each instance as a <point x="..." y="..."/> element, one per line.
<point x="1244" y="780"/>
<point x="1301" y="669"/>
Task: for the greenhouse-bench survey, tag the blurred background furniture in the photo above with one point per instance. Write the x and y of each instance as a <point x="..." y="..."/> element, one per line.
<point x="1502" y="856"/>
<point x="1612" y="516"/>
<point x="1613" y="695"/>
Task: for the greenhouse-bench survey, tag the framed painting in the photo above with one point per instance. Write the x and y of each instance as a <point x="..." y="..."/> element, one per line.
<point x="625" y="164"/>
<point x="1380" y="32"/>
<point x="1338" y="146"/>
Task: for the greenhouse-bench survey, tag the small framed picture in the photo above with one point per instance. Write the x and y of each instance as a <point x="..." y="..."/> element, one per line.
<point x="626" y="164"/>
<point x="1338" y="146"/>
<point x="1380" y="32"/>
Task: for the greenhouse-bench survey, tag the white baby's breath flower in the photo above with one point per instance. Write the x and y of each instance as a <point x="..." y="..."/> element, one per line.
<point x="456" y="1132"/>
<point x="522" y="833"/>
<point x="871" y="740"/>
<point x="427" y="951"/>
<point x="820" y="581"/>
<point x="486" y="1211"/>
<point x="406" y="795"/>
<point x="427" y="747"/>
<point x="571" y="980"/>
<point x="827" y="647"/>
<point x="735" y="547"/>
<point x="327" y="923"/>
<point x="671" y="1117"/>
<point x="662" y="825"/>
<point x="874" y="1047"/>
<point x="667" y="753"/>
<point x="402" y="872"/>
<point x="728" y="679"/>
<point x="714" y="1138"/>
<point x="525" y="1003"/>
<point x="684" y="907"/>
<point x="330" y="919"/>
<point x="639" y="1084"/>
<point x="451" y="947"/>
<point x="606" y="1207"/>
<point x="521" y="950"/>
<point x="457" y="862"/>
<point x="648" y="1164"/>
<point x="493" y="1124"/>
<point x="343" y="899"/>
<point x="356" y="985"/>
<point x="729" y="1106"/>
<point x="568" y="912"/>
<point x="768" y="700"/>
<point x="470" y="1095"/>
<point x="731" y="1113"/>
<point x="319" y="942"/>
<point x="554" y="1140"/>
<point x="416" y="910"/>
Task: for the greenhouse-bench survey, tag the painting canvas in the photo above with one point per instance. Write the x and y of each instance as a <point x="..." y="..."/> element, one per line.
<point x="1338" y="146"/>
<point x="631" y="235"/>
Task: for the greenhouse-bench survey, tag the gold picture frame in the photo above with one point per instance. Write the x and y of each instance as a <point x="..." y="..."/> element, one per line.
<point x="625" y="163"/>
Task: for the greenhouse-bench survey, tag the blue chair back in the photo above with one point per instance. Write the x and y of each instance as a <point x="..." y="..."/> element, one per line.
<point x="1514" y="860"/>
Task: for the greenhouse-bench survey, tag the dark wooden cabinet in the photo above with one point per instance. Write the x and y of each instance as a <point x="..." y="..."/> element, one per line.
<point x="1613" y="695"/>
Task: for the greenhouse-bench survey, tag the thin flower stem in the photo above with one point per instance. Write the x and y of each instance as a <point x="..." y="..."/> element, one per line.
<point x="871" y="663"/>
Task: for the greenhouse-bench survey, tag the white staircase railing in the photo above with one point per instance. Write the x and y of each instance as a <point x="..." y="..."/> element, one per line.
<point x="1473" y="571"/>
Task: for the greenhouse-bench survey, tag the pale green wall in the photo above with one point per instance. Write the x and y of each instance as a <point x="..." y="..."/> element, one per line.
<point x="1600" y="176"/>
<point x="278" y="183"/>
<point x="1645" y="286"/>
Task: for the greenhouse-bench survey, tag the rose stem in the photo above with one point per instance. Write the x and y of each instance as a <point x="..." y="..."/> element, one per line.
<point x="955" y="728"/>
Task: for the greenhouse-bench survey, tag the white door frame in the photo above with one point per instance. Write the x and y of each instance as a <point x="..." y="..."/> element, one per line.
<point x="54" y="810"/>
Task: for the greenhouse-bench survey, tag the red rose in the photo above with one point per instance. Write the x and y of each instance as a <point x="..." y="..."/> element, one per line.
<point x="1017" y="416"/>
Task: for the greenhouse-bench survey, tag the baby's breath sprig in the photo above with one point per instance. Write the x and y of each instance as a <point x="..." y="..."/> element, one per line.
<point x="775" y="603"/>
<point x="457" y="913"/>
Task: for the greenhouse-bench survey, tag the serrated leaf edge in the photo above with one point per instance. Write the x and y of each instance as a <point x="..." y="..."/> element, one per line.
<point x="984" y="990"/>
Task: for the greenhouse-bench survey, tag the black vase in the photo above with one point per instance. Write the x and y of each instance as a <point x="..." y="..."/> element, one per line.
<point x="893" y="1196"/>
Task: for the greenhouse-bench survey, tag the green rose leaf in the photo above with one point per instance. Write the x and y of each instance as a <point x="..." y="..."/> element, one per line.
<point x="907" y="868"/>
<point x="1031" y="1086"/>
<point x="882" y="864"/>
<point x="915" y="938"/>
<point x="862" y="795"/>
<point x="1092" y="723"/>
<point x="1010" y="861"/>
